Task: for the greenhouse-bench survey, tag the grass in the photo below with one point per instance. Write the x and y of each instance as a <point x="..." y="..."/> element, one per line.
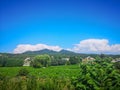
<point x="71" y="77"/>
<point x="50" y="72"/>
<point x="50" y="78"/>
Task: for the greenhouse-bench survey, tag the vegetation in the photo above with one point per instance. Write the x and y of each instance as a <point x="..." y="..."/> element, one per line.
<point x="72" y="74"/>
<point x="75" y="60"/>
<point x="9" y="61"/>
<point x="117" y="65"/>
<point x="23" y="72"/>
<point x="50" y="78"/>
<point x="100" y="75"/>
<point x="41" y="60"/>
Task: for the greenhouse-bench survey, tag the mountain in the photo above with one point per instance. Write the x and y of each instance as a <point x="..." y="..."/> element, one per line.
<point x="66" y="52"/>
<point x="44" y="51"/>
<point x="63" y="53"/>
<point x="51" y="52"/>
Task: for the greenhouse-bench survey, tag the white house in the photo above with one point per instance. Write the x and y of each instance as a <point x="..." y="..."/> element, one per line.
<point x="116" y="60"/>
<point x="87" y="59"/>
<point x="67" y="59"/>
<point x="27" y="61"/>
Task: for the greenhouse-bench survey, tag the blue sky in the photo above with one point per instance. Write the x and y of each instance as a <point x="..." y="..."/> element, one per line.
<point x="58" y="22"/>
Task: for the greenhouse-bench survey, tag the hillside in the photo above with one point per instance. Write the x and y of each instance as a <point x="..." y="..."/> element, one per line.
<point x="51" y="52"/>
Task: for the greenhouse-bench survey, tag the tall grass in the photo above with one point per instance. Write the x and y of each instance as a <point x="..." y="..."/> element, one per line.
<point x="34" y="83"/>
<point x="51" y="78"/>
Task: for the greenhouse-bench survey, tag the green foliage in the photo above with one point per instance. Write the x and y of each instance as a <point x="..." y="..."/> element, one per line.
<point x="51" y="78"/>
<point x="6" y="61"/>
<point x="2" y="76"/>
<point x="3" y="60"/>
<point x="99" y="75"/>
<point x="117" y="65"/>
<point x="75" y="60"/>
<point x="50" y="72"/>
<point x="23" y="72"/>
<point x="34" y="83"/>
<point x="41" y="60"/>
<point x="67" y="63"/>
<point x="58" y="61"/>
<point x="36" y="64"/>
<point x="54" y="63"/>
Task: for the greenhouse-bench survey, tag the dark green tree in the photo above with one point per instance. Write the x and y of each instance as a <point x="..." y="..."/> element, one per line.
<point x="75" y="60"/>
<point x="41" y="60"/>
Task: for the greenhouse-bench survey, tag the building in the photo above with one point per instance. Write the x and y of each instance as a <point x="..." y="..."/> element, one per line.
<point x="88" y="59"/>
<point x="116" y="60"/>
<point x="67" y="59"/>
<point x="27" y="61"/>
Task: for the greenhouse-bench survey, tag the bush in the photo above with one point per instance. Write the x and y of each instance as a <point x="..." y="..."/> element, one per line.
<point x="36" y="64"/>
<point x="117" y="65"/>
<point x="23" y="72"/>
<point x="2" y="77"/>
<point x="97" y="76"/>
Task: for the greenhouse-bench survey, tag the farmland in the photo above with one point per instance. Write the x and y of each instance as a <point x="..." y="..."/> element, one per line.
<point x="50" y="78"/>
<point x="101" y="74"/>
<point x="53" y="71"/>
<point x="59" y="44"/>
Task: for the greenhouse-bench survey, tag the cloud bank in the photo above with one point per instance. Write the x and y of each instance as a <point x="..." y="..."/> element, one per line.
<point x="96" y="46"/>
<point x="28" y="47"/>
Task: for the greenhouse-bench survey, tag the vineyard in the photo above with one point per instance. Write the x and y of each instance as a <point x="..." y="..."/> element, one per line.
<point x="101" y="74"/>
<point x="65" y="71"/>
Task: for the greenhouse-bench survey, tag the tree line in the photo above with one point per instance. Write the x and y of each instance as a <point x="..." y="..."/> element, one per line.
<point x="44" y="60"/>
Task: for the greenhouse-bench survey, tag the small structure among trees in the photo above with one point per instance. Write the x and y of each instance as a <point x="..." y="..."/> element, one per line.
<point x="27" y="61"/>
<point x="88" y="59"/>
<point x="67" y="59"/>
<point x="116" y="60"/>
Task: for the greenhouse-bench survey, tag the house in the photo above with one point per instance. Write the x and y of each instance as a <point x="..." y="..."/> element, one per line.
<point x="66" y="59"/>
<point x="27" y="61"/>
<point x="116" y="60"/>
<point x="88" y="59"/>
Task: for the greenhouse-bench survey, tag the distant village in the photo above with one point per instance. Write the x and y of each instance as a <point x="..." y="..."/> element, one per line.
<point x="28" y="60"/>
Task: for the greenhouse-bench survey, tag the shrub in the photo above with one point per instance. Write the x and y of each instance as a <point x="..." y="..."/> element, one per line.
<point x="117" y="65"/>
<point x="99" y="76"/>
<point x="23" y="72"/>
<point x="2" y="76"/>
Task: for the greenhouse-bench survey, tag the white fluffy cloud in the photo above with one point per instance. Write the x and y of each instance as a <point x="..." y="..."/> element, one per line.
<point x="28" y="47"/>
<point x="96" y="46"/>
<point x="85" y="46"/>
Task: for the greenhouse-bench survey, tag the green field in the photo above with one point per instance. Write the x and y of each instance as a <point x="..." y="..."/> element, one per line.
<point x="98" y="75"/>
<point x="52" y="71"/>
<point x="50" y="78"/>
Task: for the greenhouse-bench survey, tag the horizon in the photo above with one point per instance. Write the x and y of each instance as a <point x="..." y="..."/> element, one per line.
<point x="58" y="52"/>
<point x="80" y="26"/>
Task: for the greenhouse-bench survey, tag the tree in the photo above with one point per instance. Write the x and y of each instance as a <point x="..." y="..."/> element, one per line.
<point x="102" y="55"/>
<point x="6" y="61"/>
<point x="3" y="61"/>
<point x="97" y="76"/>
<point x="41" y="60"/>
<point x="117" y="65"/>
<point x="67" y="63"/>
<point x="74" y="59"/>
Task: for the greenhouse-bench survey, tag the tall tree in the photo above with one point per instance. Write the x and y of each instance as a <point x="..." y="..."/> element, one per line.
<point x="75" y="59"/>
<point x="41" y="60"/>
